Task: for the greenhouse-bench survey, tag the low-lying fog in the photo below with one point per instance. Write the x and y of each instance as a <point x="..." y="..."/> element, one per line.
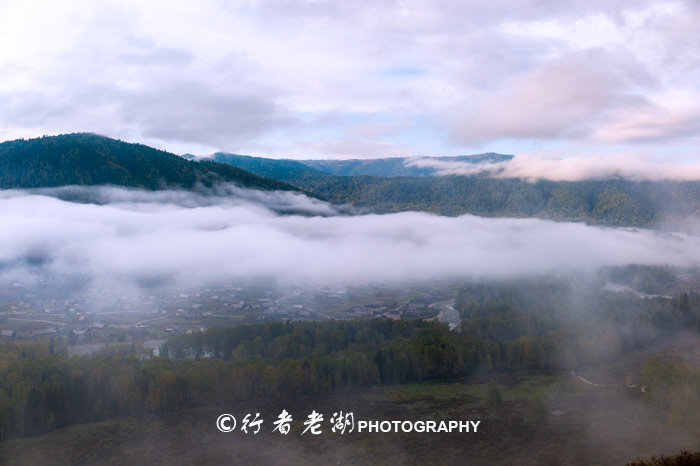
<point x="114" y="237"/>
<point x="630" y="166"/>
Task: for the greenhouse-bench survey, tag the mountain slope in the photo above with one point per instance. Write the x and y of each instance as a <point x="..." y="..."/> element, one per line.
<point x="399" y="166"/>
<point x="278" y="169"/>
<point x="615" y="202"/>
<point x="89" y="159"/>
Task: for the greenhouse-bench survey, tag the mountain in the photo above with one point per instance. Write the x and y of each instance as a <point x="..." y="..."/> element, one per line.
<point x="287" y="169"/>
<point x="399" y="166"/>
<point x="90" y="159"/>
<point x="278" y="169"/>
<point x="614" y="202"/>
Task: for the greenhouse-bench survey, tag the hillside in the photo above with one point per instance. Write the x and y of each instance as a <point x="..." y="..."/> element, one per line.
<point x="288" y="169"/>
<point x="615" y="202"/>
<point x="90" y="159"/>
<point x="278" y="169"/>
<point x="398" y="166"/>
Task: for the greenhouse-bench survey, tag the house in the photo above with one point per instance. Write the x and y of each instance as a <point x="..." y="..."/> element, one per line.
<point x="7" y="334"/>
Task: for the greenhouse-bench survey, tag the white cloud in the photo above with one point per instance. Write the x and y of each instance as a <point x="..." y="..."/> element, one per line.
<point x="179" y="75"/>
<point x="535" y="166"/>
<point x="191" y="240"/>
<point x="567" y="98"/>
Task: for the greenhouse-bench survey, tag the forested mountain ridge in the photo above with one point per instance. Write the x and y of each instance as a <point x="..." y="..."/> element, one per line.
<point x="278" y="169"/>
<point x="400" y="166"/>
<point x="90" y="159"/>
<point x="384" y="167"/>
<point x="614" y="202"/>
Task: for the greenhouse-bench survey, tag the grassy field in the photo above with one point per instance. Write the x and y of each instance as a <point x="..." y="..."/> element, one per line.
<point x="512" y="388"/>
<point x="586" y="425"/>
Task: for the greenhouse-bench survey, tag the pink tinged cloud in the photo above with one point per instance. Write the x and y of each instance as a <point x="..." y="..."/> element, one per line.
<point x="570" y="97"/>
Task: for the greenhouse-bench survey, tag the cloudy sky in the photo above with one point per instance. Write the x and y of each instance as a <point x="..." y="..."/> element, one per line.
<point x="359" y="79"/>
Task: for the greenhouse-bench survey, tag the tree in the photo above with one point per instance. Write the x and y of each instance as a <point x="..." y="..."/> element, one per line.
<point x="20" y="394"/>
<point x="5" y="414"/>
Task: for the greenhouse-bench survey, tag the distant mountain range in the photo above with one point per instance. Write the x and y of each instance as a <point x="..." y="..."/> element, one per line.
<point x="411" y="184"/>
<point x="379" y="185"/>
<point x="391" y="166"/>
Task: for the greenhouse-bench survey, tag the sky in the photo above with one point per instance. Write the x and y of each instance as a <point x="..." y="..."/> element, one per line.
<point x="336" y="79"/>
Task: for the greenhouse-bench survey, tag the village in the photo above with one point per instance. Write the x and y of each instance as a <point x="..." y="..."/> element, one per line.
<point x="72" y="319"/>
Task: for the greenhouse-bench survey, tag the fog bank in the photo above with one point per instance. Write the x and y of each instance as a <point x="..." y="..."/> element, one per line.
<point x="184" y="239"/>
<point x="576" y="168"/>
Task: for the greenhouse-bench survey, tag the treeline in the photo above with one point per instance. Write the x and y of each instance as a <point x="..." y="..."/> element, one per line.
<point x="554" y="324"/>
<point x="615" y="202"/>
<point x="381" y="167"/>
<point x="684" y="458"/>
<point x="652" y="280"/>
<point x="41" y="389"/>
<point x="507" y="327"/>
<point x="609" y="202"/>
<point x="675" y="388"/>
<point x="398" y="166"/>
<point x="90" y="159"/>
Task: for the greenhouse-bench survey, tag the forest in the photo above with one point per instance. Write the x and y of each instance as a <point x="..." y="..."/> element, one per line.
<point x="612" y="202"/>
<point x="541" y="325"/>
<point x="90" y="159"/>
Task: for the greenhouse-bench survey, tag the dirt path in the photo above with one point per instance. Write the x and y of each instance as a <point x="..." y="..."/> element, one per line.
<point x="586" y="381"/>
<point x="37" y="320"/>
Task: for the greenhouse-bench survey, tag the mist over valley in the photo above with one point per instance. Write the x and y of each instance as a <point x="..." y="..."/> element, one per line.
<point x="319" y="232"/>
